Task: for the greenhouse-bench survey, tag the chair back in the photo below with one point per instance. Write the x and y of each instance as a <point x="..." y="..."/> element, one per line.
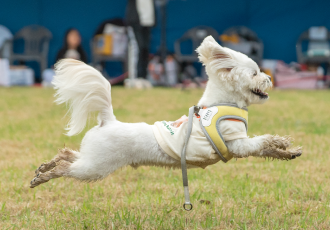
<point x="196" y="35"/>
<point x="5" y="42"/>
<point x="318" y="47"/>
<point x="249" y="43"/>
<point x="318" y="42"/>
<point x="35" y="39"/>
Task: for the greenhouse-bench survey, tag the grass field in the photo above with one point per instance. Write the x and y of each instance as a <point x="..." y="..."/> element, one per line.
<point x="244" y="194"/>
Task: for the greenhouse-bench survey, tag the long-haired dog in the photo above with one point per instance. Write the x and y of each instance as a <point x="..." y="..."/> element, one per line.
<point x="233" y="78"/>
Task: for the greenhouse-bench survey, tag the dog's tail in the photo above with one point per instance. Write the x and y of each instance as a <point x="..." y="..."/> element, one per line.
<point x="85" y="90"/>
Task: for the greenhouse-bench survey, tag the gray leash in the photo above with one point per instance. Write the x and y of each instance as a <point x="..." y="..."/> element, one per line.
<point x="192" y="110"/>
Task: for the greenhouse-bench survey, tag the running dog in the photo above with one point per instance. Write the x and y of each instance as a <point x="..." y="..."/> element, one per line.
<point x="234" y="79"/>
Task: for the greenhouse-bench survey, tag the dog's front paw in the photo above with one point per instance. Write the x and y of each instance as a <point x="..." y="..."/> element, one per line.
<point x="281" y="154"/>
<point x="282" y="142"/>
<point x="295" y="152"/>
<point x="277" y="141"/>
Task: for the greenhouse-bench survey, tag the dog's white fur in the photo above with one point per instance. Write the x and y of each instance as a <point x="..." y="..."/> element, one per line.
<point x="112" y="144"/>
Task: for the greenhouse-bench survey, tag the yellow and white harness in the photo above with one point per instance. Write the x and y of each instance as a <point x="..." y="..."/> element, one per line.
<point x="209" y="120"/>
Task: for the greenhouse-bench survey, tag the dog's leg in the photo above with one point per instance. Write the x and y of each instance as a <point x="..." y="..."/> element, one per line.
<point x="57" y="167"/>
<point x="264" y="146"/>
<point x="246" y="147"/>
<point x="64" y="154"/>
<point x="86" y="167"/>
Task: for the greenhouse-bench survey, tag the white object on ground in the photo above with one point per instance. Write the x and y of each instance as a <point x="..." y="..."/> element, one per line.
<point x="137" y="83"/>
<point x="47" y="77"/>
<point x="4" y="72"/>
<point x="21" y="76"/>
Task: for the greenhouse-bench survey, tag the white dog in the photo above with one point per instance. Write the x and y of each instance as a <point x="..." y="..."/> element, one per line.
<point x="233" y="78"/>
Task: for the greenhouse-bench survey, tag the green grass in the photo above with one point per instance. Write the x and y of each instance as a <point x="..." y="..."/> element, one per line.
<point x="244" y="194"/>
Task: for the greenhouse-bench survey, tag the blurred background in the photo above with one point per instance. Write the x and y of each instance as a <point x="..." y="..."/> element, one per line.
<point x="154" y="40"/>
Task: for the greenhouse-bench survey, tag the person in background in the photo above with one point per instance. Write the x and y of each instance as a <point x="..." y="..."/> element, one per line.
<point x="71" y="49"/>
<point x="72" y="46"/>
<point x="140" y="15"/>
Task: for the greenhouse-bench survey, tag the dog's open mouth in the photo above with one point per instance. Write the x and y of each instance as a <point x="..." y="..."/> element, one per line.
<point x="259" y="93"/>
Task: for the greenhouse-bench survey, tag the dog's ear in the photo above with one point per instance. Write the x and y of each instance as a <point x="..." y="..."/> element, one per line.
<point x="211" y="51"/>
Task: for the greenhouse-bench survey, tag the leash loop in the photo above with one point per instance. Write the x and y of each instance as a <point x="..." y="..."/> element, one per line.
<point x="192" y="110"/>
<point x="185" y="206"/>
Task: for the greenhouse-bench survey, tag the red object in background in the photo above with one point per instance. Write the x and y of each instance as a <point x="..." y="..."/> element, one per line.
<point x="303" y="67"/>
<point x="37" y="85"/>
<point x="296" y="82"/>
<point x="287" y="78"/>
<point x="119" y="79"/>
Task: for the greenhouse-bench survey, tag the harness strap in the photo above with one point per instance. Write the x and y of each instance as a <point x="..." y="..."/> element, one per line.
<point x="187" y="203"/>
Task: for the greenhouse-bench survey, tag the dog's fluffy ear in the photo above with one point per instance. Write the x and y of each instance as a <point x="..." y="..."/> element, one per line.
<point x="211" y="52"/>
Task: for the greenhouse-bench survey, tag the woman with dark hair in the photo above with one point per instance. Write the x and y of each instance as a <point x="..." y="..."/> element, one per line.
<point x="72" y="46"/>
<point x="71" y="49"/>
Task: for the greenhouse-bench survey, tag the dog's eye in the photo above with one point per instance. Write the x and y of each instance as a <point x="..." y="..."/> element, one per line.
<point x="255" y="74"/>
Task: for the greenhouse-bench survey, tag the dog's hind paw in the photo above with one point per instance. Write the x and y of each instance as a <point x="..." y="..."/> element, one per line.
<point x="64" y="154"/>
<point x="60" y="169"/>
<point x="45" y="167"/>
<point x="39" y="179"/>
